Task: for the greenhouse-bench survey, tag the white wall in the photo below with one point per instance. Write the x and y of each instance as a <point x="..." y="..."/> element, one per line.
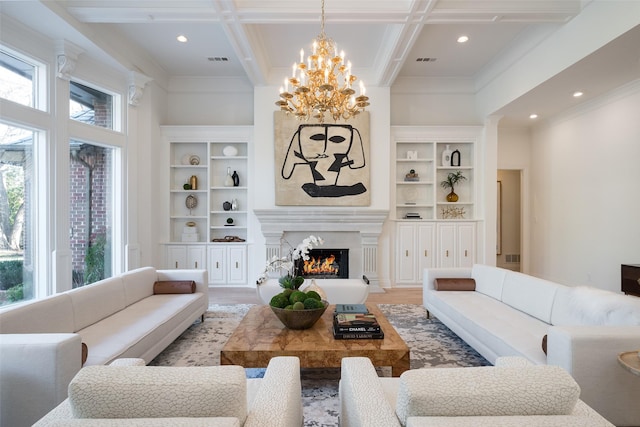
<point x="585" y="199"/>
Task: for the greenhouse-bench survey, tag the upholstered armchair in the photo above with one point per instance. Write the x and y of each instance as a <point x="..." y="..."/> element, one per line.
<point x="129" y="393"/>
<point x="512" y="393"/>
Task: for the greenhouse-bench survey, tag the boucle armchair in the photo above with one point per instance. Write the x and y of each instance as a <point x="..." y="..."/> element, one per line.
<point x="512" y="393"/>
<point x="129" y="393"/>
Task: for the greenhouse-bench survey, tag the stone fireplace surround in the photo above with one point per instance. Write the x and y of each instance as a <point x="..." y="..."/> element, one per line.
<point x="355" y="229"/>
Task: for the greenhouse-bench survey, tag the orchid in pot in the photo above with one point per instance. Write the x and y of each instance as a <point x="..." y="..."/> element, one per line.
<point x="288" y="264"/>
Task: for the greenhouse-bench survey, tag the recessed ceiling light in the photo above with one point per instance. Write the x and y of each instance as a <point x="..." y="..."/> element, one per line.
<point x="463" y="39"/>
<point x="577" y="94"/>
<point x="182" y="38"/>
<point x="533" y="116"/>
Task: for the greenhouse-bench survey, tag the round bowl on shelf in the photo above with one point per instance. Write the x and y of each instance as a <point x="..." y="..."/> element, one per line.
<point x="230" y="151"/>
<point x="299" y="319"/>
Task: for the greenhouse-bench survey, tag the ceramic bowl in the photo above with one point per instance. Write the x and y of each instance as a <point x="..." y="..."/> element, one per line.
<point x="299" y="319"/>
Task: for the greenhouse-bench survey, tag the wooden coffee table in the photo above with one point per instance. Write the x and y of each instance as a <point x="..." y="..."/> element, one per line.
<point x="261" y="336"/>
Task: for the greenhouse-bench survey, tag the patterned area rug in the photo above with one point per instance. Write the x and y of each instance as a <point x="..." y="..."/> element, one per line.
<point x="431" y="343"/>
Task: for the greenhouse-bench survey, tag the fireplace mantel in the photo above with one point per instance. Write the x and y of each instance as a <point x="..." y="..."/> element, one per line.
<point x="367" y="223"/>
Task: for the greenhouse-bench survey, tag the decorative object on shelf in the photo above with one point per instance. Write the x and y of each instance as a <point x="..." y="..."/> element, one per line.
<point x="194" y="160"/>
<point x="190" y="232"/>
<point x="226" y="206"/>
<point x="410" y="195"/>
<point x="412" y="215"/>
<point x="289" y="263"/>
<point x="230" y="151"/>
<point x="193" y="182"/>
<point x="228" y="180"/>
<point x="455" y="158"/>
<point x="229" y="222"/>
<point x="191" y="202"/>
<point x="187" y="186"/>
<point x="450" y="182"/>
<point x="229" y="239"/>
<point x="446" y="156"/>
<point x="412" y="176"/>
<point x="236" y="179"/>
<point x="452" y="212"/>
<point x="234" y="205"/>
<point x="412" y="155"/>
<point x="322" y="84"/>
<point x="191" y="224"/>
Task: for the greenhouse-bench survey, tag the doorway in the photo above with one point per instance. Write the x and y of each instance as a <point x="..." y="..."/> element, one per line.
<point x="509" y="222"/>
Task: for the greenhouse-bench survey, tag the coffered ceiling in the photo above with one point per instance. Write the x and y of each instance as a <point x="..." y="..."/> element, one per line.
<point x="259" y="40"/>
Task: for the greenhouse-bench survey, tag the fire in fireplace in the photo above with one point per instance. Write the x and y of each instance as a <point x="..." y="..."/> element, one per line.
<point x="326" y="264"/>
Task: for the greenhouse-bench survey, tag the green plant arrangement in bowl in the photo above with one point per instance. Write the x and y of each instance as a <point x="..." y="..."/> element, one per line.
<point x="450" y="182"/>
<point x="289" y="264"/>
<point x="297" y="309"/>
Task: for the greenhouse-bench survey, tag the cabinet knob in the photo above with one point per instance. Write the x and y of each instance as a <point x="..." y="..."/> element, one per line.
<point x="406" y="252"/>
<point x="217" y="264"/>
<point x="426" y="253"/>
<point x="447" y="253"/>
<point x="196" y="264"/>
<point x="176" y="264"/>
<point x="237" y="264"/>
<point x="465" y="253"/>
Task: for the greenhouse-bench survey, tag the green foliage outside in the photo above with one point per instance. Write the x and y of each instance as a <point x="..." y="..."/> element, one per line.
<point x="94" y="260"/>
<point x="15" y="293"/>
<point x="10" y="273"/>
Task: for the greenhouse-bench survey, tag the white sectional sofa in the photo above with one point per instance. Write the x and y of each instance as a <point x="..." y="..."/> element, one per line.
<point x="119" y="317"/>
<point x="509" y="314"/>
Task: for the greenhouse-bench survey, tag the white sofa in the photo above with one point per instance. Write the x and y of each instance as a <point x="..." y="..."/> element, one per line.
<point x="338" y="291"/>
<point x="509" y="314"/>
<point x="127" y="393"/>
<point x="514" y="393"/>
<point x="41" y="340"/>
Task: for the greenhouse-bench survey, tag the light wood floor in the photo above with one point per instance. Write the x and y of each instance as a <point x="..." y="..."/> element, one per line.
<point x="245" y="295"/>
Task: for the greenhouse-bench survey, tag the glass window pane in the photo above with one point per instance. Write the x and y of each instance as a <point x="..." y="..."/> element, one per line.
<point x="16" y="80"/>
<point x="16" y="214"/>
<point x="91" y="106"/>
<point x="91" y="210"/>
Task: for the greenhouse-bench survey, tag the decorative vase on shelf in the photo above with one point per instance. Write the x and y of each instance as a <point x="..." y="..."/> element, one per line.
<point x="446" y="156"/>
<point x="455" y="158"/>
<point x="452" y="197"/>
<point x="228" y="180"/>
<point x="193" y="182"/>
<point x="234" y="205"/>
<point x="236" y="179"/>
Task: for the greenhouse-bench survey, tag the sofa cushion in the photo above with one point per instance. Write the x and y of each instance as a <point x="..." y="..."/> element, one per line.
<point x="53" y="314"/>
<point x="459" y="284"/>
<point x="489" y="280"/>
<point x="92" y="303"/>
<point x="138" y="284"/>
<point x="174" y="287"/>
<point x="159" y="392"/>
<point x="507" y="421"/>
<point x="486" y="391"/>
<point x="529" y="294"/>
<point x="592" y="306"/>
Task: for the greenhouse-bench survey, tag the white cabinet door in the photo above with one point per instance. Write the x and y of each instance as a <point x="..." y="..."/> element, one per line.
<point x="406" y="254"/>
<point x="217" y="264"/>
<point x="466" y="245"/>
<point x="236" y="266"/>
<point x="446" y="245"/>
<point x="176" y="257"/>
<point x="456" y="244"/>
<point x="425" y="252"/>
<point x="186" y="256"/>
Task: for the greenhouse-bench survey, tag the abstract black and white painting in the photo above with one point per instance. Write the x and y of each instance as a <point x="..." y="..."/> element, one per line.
<point x="322" y="164"/>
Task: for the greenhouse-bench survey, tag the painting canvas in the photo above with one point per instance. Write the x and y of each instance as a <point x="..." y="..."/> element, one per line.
<point x="322" y="164"/>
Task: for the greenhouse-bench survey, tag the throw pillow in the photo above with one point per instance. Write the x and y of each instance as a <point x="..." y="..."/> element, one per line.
<point x="174" y="287"/>
<point x="459" y="284"/>
<point x="544" y="344"/>
<point x="85" y="353"/>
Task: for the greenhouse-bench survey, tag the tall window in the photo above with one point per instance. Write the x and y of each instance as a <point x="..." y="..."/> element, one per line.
<point x="91" y="210"/>
<point x="17" y="80"/>
<point x="16" y="214"/>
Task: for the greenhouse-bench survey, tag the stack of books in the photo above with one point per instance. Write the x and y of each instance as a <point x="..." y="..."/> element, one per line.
<point x="353" y="321"/>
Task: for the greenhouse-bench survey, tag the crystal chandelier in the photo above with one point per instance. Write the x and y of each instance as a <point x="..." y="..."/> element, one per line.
<point x="322" y="85"/>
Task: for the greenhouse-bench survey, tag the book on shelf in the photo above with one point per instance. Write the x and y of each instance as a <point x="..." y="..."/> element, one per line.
<point x="351" y="308"/>
<point x="358" y="335"/>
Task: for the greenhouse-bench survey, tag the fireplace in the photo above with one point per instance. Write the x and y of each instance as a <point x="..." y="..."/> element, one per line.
<point x="325" y="264"/>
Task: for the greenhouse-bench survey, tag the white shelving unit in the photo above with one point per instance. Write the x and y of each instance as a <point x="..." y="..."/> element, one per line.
<point x="430" y="231"/>
<point x="207" y="153"/>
